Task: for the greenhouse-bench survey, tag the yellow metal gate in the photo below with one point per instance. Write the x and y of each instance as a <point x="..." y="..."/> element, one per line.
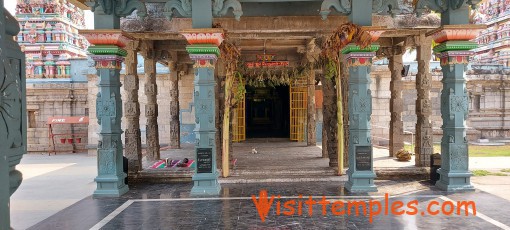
<point x="298" y="109"/>
<point x="239" y="118"/>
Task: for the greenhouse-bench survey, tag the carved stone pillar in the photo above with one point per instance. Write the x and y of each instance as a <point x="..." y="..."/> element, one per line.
<point x="454" y="50"/>
<point x="133" y="150"/>
<point x="151" y="108"/>
<point x="311" y="133"/>
<point x="108" y="53"/>
<point x="424" y="147"/>
<point x="361" y="171"/>
<point x="396" y="102"/>
<point x="175" y="130"/>
<point x="203" y="49"/>
<point x="13" y="117"/>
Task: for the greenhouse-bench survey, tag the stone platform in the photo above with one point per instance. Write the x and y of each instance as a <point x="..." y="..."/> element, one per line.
<point x="277" y="160"/>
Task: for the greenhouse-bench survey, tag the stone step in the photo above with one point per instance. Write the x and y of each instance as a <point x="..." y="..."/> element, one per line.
<point x="272" y="179"/>
<point x="488" y="143"/>
<point x="267" y="176"/>
<point x="416" y="173"/>
<point x="283" y="172"/>
<point x="162" y="175"/>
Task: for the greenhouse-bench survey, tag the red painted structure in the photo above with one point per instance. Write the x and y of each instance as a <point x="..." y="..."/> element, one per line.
<point x="60" y="121"/>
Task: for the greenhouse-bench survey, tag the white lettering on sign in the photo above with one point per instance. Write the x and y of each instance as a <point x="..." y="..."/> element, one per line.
<point x="58" y="120"/>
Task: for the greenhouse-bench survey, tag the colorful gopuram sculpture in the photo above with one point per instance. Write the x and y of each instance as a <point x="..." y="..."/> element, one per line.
<point x="49" y="37"/>
<point x="494" y="47"/>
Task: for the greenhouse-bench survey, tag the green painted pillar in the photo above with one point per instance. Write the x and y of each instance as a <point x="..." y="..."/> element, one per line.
<point x="203" y="49"/>
<point x="361" y="170"/>
<point x="4" y="163"/>
<point x="360" y="13"/>
<point x="108" y="53"/>
<point x="13" y="130"/>
<point x="201" y="14"/>
<point x="454" y="50"/>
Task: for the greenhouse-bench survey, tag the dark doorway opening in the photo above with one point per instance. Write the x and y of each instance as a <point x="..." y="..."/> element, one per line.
<point x="267" y="112"/>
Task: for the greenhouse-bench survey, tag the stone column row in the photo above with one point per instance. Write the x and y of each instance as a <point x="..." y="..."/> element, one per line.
<point x="133" y="150"/>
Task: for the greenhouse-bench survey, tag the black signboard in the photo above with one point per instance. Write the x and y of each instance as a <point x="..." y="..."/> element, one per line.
<point x="204" y="160"/>
<point x="363" y="158"/>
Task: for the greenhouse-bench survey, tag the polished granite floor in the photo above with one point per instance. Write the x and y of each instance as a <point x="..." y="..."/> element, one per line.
<point x="169" y="206"/>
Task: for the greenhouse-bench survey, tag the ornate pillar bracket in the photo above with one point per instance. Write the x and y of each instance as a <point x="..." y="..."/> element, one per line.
<point x="454" y="51"/>
<point x="361" y="171"/>
<point x="108" y="54"/>
<point x="348" y="7"/>
<point x="203" y="49"/>
<point x="452" y="12"/>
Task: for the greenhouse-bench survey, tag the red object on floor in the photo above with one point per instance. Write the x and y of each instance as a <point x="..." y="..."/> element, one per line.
<point x="62" y="140"/>
<point x="69" y="140"/>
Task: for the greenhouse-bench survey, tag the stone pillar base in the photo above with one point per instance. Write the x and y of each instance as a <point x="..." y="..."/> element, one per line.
<point x="206" y="184"/>
<point x="454" y="181"/>
<point x="360" y="181"/>
<point x="109" y="186"/>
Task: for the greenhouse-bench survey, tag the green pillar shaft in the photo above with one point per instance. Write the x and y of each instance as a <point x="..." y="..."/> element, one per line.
<point x="110" y="178"/>
<point x="13" y="132"/>
<point x="204" y="98"/>
<point x="108" y="53"/>
<point x="4" y="191"/>
<point x="205" y="183"/>
<point x="454" y="171"/>
<point x="4" y="164"/>
<point x="201" y="14"/>
<point x="361" y="171"/>
<point x="454" y="51"/>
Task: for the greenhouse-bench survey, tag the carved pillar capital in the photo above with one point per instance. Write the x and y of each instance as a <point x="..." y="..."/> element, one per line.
<point x="355" y="56"/>
<point x="391" y="51"/>
<point x="107" y="47"/>
<point x="203" y="48"/>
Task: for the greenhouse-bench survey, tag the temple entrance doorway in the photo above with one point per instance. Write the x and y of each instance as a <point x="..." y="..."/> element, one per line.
<point x="267" y="112"/>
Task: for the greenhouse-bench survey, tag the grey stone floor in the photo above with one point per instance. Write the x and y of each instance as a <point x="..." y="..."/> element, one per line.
<point x="169" y="206"/>
<point x="50" y="184"/>
<point x="55" y="194"/>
